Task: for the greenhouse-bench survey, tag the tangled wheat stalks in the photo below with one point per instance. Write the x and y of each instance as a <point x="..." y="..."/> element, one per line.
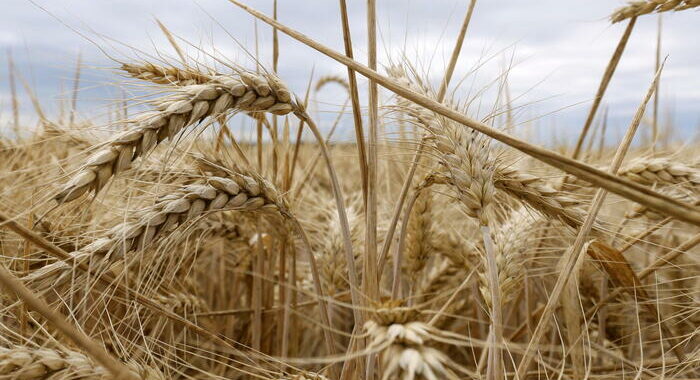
<point x="26" y="363"/>
<point x="640" y="8"/>
<point x="186" y="106"/>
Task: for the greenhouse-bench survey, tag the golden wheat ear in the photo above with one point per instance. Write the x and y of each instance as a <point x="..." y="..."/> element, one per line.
<point x="185" y="106"/>
<point x="643" y="7"/>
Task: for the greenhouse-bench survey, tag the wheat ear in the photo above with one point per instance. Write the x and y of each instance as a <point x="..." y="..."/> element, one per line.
<point x="661" y="171"/>
<point x="643" y="7"/>
<point x="238" y="192"/>
<point x="512" y="239"/>
<point x="419" y="249"/>
<point x="326" y="79"/>
<point x="19" y="362"/>
<point x="186" y="106"/>
<point x="405" y="341"/>
<point x="169" y="75"/>
<point x="465" y="156"/>
<point x="539" y="195"/>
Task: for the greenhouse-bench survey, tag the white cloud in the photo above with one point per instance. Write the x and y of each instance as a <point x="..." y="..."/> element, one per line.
<point x="560" y="48"/>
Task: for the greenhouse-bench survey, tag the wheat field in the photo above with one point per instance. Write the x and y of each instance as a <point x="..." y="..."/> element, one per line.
<point x="163" y="244"/>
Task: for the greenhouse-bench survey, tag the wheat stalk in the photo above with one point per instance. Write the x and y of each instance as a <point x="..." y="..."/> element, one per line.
<point x="419" y="248"/>
<point x="643" y="7"/>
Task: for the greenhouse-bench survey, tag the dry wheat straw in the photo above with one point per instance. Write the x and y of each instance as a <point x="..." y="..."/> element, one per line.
<point x="642" y="7"/>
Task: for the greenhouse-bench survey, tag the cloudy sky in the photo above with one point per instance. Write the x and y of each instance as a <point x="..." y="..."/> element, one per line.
<point x="556" y="50"/>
